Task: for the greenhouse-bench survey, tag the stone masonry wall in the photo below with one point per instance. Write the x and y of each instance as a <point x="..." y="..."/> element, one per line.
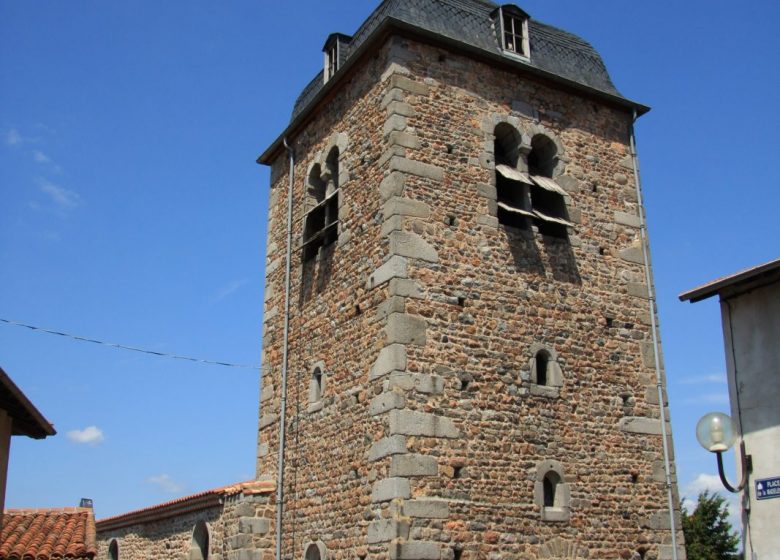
<point x="238" y="529"/>
<point x="332" y="322"/>
<point x="432" y="438"/>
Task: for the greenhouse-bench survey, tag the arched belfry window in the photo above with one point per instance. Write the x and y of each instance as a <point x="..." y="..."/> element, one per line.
<point x="526" y="190"/>
<point x="199" y="548"/>
<point x="322" y="199"/>
<point x="551" y="492"/>
<point x="547" y="197"/>
<point x="512" y="195"/>
<point x="113" y="550"/>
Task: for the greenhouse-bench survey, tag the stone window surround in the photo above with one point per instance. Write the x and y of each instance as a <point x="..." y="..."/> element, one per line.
<point x="554" y="373"/>
<point x="317" y="390"/>
<point x="339" y="140"/>
<point x="526" y="131"/>
<point x="561" y="511"/>
<point x="320" y="548"/>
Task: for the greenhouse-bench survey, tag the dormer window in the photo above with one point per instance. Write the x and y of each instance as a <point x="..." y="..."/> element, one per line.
<point x="333" y="59"/>
<point x="514" y="30"/>
<point x="334" y="53"/>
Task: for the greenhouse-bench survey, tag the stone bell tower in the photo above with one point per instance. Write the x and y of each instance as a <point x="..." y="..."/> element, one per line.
<point x="460" y="347"/>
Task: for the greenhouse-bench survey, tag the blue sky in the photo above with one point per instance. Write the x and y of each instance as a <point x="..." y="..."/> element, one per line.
<point x="133" y="211"/>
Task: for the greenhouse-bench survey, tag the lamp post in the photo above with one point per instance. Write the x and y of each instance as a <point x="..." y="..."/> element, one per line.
<point x="715" y="432"/>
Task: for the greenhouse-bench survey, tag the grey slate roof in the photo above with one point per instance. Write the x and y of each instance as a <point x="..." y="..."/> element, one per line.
<point x="470" y="22"/>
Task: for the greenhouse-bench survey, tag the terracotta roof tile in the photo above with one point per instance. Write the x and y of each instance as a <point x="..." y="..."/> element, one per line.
<point x="193" y="502"/>
<point x="48" y="533"/>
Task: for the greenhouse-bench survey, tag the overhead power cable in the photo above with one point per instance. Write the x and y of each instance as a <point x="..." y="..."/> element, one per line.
<point x="124" y="347"/>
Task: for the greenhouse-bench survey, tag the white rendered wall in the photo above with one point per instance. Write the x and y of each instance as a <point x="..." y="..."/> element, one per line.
<point x="751" y="329"/>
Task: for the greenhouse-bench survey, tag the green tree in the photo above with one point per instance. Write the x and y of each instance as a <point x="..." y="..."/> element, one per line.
<point x="708" y="534"/>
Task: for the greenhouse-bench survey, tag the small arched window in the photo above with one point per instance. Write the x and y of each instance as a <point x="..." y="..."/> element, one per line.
<point x="316" y="386"/>
<point x="550" y="488"/>
<point x="546" y="376"/>
<point x="551" y="492"/>
<point x="113" y="550"/>
<point x="542" y="363"/>
<point x="312" y="553"/>
<point x="315" y="551"/>
<point x="199" y="549"/>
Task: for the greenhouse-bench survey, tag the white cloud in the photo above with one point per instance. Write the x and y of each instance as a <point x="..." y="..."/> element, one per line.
<point x="12" y="137"/>
<point x="715" y="379"/>
<point x="60" y="196"/>
<point x="43" y="159"/>
<point x="40" y="157"/>
<point x="708" y="398"/>
<point x="712" y="484"/>
<point x="91" y="435"/>
<point x="165" y="483"/>
<point x="702" y="483"/>
<point x="230" y="288"/>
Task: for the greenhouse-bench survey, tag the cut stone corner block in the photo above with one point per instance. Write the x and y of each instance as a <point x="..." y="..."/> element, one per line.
<point x="413" y="246"/>
<point x="641" y="425"/>
<point x="415" y="550"/>
<point x="413" y="423"/>
<point x="391" y="489"/>
<point x="391" y="358"/>
<point x="403" y="328"/>
<point x="395" y="267"/>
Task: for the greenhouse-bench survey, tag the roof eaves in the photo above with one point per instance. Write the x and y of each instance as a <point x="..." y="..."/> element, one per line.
<point x="742" y="277"/>
<point x="34" y="425"/>
<point x="392" y="23"/>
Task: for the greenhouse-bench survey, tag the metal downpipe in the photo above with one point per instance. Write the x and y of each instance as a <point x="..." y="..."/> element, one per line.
<point x="654" y="326"/>
<point x="285" y="353"/>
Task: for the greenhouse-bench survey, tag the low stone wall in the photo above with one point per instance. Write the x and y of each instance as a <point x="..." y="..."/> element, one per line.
<point x="219" y="525"/>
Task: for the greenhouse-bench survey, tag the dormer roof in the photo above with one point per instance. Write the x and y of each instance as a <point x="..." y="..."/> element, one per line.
<point x="470" y="26"/>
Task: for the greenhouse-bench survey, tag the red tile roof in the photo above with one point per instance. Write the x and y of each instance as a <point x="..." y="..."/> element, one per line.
<point x="42" y="534"/>
<point x="194" y="502"/>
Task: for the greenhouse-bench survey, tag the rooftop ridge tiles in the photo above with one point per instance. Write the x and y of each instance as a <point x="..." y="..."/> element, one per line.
<point x="249" y="487"/>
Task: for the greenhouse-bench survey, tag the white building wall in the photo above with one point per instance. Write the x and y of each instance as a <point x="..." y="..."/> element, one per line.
<point x="751" y="329"/>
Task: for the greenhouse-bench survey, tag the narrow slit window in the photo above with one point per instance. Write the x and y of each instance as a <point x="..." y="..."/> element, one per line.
<point x="199" y="549"/>
<point x="113" y="550"/>
<point x="550" y="488"/>
<point x="542" y="362"/>
<point x="316" y="385"/>
<point x="313" y="553"/>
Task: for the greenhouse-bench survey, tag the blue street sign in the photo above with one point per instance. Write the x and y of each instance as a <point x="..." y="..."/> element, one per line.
<point x="768" y="488"/>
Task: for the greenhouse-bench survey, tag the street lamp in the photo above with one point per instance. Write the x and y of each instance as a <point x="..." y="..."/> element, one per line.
<point x="715" y="432"/>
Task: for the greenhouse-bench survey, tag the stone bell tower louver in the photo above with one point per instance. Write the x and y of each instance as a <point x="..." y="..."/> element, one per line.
<point x="470" y="364"/>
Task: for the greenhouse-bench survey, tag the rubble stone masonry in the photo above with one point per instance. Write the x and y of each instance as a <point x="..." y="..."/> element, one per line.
<point x="421" y="423"/>
<point x="431" y="438"/>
